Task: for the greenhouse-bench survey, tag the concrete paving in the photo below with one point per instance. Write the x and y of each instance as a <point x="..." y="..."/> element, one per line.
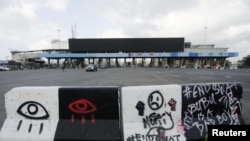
<point x="122" y="77"/>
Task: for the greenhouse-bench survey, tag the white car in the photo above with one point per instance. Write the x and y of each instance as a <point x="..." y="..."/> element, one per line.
<point x="4" y="68"/>
<point x="91" y="67"/>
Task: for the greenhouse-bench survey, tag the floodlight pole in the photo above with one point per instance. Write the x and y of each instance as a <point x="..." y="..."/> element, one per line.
<point x="58" y="31"/>
<point x="205" y="36"/>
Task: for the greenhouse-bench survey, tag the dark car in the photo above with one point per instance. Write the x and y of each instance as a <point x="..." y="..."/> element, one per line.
<point x="91" y="67"/>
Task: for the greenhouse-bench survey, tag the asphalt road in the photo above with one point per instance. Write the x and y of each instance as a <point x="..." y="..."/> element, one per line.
<point x="122" y="77"/>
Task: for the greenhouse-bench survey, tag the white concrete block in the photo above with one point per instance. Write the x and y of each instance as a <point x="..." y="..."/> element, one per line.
<point x="152" y="112"/>
<point x="32" y="114"/>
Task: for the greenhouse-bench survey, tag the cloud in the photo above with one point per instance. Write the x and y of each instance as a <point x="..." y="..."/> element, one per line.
<point x="227" y="20"/>
<point x="137" y="17"/>
<point x="119" y="10"/>
<point x="22" y="28"/>
<point x="15" y="22"/>
<point x="41" y="44"/>
<point x="116" y="33"/>
<point x="242" y="47"/>
<point x="235" y="32"/>
<point x="59" y="5"/>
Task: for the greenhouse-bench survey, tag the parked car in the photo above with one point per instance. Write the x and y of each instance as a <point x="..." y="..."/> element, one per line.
<point x="4" y="68"/>
<point x="91" y="67"/>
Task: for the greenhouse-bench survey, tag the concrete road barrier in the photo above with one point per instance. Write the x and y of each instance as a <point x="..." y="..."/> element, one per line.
<point x="61" y="114"/>
<point x="129" y="113"/>
<point x="88" y="114"/>
<point x="210" y="104"/>
<point x="31" y="114"/>
<point x="152" y="113"/>
<point x="179" y="112"/>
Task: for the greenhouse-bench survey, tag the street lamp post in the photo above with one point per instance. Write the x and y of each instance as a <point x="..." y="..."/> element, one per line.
<point x="205" y="36"/>
<point x="58" y="31"/>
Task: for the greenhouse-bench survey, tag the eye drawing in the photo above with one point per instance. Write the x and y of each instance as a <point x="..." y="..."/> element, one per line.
<point x="82" y="106"/>
<point x="33" y="110"/>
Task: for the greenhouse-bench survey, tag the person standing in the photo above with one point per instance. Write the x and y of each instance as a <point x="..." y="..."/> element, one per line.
<point x="63" y="67"/>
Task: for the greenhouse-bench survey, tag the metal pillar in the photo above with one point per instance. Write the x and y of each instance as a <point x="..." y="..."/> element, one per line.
<point x="57" y="62"/>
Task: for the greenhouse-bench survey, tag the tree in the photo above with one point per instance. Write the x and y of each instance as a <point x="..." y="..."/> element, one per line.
<point x="247" y="61"/>
<point x="228" y="63"/>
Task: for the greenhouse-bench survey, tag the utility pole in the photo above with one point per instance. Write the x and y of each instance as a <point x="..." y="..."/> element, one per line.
<point x="205" y="36"/>
<point x="58" y="31"/>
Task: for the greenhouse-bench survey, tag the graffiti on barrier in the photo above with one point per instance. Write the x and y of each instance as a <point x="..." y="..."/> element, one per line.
<point x="140" y="106"/>
<point x="210" y="104"/>
<point x="32" y="110"/>
<point x="155" y="100"/>
<point x="158" y="120"/>
<point x="82" y="106"/>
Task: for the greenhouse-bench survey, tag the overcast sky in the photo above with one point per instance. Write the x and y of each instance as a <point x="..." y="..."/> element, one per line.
<point x="32" y="24"/>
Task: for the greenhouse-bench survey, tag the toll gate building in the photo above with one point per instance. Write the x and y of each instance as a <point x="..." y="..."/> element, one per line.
<point x="127" y="52"/>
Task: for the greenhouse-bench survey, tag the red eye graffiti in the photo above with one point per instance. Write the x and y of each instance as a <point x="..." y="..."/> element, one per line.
<point x="82" y="106"/>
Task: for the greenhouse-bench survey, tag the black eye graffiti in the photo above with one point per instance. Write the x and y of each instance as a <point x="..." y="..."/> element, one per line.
<point x="82" y="106"/>
<point x="33" y="110"/>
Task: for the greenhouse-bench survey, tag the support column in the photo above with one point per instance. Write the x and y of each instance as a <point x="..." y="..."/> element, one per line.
<point x="202" y="62"/>
<point x="116" y="62"/>
<point x="151" y="64"/>
<point x="223" y="62"/>
<point x="165" y="62"/>
<point x="133" y="62"/>
<point x="125" y="62"/>
<point x="171" y="63"/>
<point x="49" y="63"/>
<point x="57" y="62"/>
<point x="142" y="62"/>
<point x="71" y="63"/>
<point x="199" y="62"/>
<point x="108" y="62"/>
<point x="155" y="62"/>
<point x="99" y="62"/>
<point x="196" y="63"/>
<point x="158" y="62"/>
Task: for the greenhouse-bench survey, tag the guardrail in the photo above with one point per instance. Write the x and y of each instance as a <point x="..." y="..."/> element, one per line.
<point x="130" y="113"/>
